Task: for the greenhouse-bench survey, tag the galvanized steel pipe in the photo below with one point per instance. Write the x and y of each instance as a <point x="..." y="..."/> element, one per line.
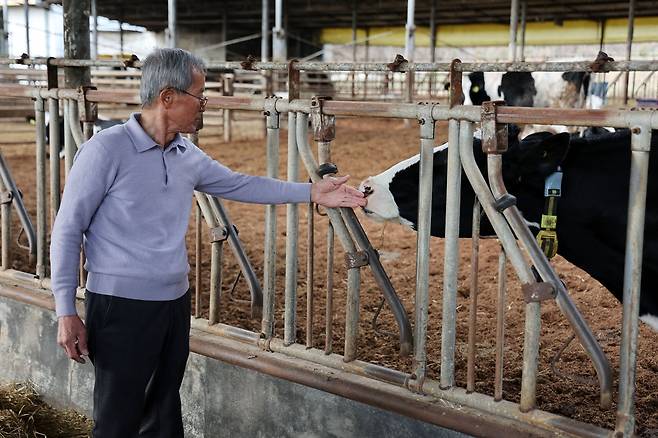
<point x="640" y="149"/>
<point x="473" y="301"/>
<point x="459" y="132"/>
<point x="40" y="120"/>
<point x="269" y="268"/>
<point x="423" y="237"/>
<point x="500" y="325"/>
<point x="292" y="238"/>
<point x="353" y="274"/>
<point x="5" y="219"/>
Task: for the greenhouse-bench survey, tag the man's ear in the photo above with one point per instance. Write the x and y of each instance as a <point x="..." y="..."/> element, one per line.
<point x="166" y="97"/>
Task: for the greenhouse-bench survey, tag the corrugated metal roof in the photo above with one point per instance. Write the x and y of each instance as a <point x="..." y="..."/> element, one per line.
<point x="315" y="14"/>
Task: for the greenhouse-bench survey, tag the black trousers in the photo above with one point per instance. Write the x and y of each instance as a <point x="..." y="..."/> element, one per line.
<point x="139" y="350"/>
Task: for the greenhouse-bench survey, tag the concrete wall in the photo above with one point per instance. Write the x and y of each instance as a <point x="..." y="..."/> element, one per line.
<point x="219" y="400"/>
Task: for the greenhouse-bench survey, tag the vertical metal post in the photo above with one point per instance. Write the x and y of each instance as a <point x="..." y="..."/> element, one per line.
<point x="40" y="120"/>
<point x="513" y="25"/>
<point x="5" y="219"/>
<point x="310" y="272"/>
<point x="423" y="239"/>
<point x="76" y="41"/>
<point x="324" y="132"/>
<point x="278" y="34"/>
<point x="26" y="9"/>
<point x="121" y="46"/>
<point x="216" y="253"/>
<point x="227" y="90"/>
<point x="172" y="36"/>
<point x="197" y="262"/>
<point x="410" y="30"/>
<point x="265" y="31"/>
<point x="55" y="141"/>
<point x="94" y="30"/>
<point x="269" y="270"/>
<point x="353" y="73"/>
<point x="432" y="43"/>
<point x="4" y="30"/>
<point x="459" y="132"/>
<point x="523" y="26"/>
<point x="69" y="142"/>
<point x="223" y="35"/>
<point x="329" y="311"/>
<point x="366" y="58"/>
<point x="500" y="325"/>
<point x="292" y="237"/>
<point x="46" y="25"/>
<point x="629" y="44"/>
<point x="640" y="146"/>
<point x="473" y="305"/>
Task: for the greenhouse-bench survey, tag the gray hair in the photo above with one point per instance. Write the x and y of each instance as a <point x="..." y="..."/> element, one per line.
<point x="166" y="68"/>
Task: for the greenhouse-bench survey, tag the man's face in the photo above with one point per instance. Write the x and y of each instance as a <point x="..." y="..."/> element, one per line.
<point x="187" y="113"/>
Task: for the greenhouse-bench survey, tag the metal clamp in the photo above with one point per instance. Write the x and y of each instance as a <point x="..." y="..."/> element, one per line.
<point x="294" y="86"/>
<point x="494" y="135"/>
<point x="425" y="120"/>
<point x="271" y="112"/>
<point x="537" y="292"/>
<point x="218" y="234"/>
<point x="324" y="125"/>
<point x="504" y="202"/>
<point x="248" y="64"/>
<point x="6" y="197"/>
<point x="51" y="70"/>
<point x="327" y="169"/>
<point x="456" y="92"/>
<point x="641" y="139"/>
<point x="89" y="109"/>
<point x="397" y="63"/>
<point x="600" y="64"/>
<point x="356" y="259"/>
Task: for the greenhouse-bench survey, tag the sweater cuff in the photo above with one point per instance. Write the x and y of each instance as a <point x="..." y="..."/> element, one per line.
<point x="65" y="305"/>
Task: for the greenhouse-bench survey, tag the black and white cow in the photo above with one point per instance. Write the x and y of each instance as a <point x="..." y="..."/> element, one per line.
<point x="591" y="213"/>
<point x="538" y="89"/>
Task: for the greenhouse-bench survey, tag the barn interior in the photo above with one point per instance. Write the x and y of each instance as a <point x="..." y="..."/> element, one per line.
<point x="86" y="56"/>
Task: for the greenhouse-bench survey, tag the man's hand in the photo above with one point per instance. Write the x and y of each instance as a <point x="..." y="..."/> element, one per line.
<point x="332" y="192"/>
<point x="72" y="337"/>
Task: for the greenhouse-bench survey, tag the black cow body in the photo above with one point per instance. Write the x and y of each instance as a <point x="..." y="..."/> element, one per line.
<point x="591" y="215"/>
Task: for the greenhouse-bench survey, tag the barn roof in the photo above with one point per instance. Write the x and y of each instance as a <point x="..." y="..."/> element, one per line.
<point x="315" y="14"/>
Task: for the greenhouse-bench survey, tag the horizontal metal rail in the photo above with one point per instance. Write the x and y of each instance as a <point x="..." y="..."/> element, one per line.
<point x="520" y="115"/>
<point x="648" y="65"/>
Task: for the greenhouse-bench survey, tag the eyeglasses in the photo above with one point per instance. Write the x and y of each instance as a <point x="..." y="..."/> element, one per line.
<point x="203" y="101"/>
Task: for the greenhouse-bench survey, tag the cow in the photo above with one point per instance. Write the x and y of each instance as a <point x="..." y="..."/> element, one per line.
<point x="592" y="211"/>
<point x="538" y="89"/>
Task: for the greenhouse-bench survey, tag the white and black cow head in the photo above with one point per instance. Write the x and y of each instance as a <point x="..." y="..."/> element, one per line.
<point x="393" y="194"/>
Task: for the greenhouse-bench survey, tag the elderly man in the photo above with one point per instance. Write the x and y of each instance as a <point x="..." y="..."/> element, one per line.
<point x="128" y="198"/>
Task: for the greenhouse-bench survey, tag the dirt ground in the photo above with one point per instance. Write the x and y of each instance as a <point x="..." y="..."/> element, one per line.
<point x="362" y="148"/>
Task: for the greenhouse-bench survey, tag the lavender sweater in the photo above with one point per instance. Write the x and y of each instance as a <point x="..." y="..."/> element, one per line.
<point x="128" y="201"/>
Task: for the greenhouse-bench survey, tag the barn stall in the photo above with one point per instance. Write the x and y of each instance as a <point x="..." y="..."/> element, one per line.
<point x="447" y="374"/>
